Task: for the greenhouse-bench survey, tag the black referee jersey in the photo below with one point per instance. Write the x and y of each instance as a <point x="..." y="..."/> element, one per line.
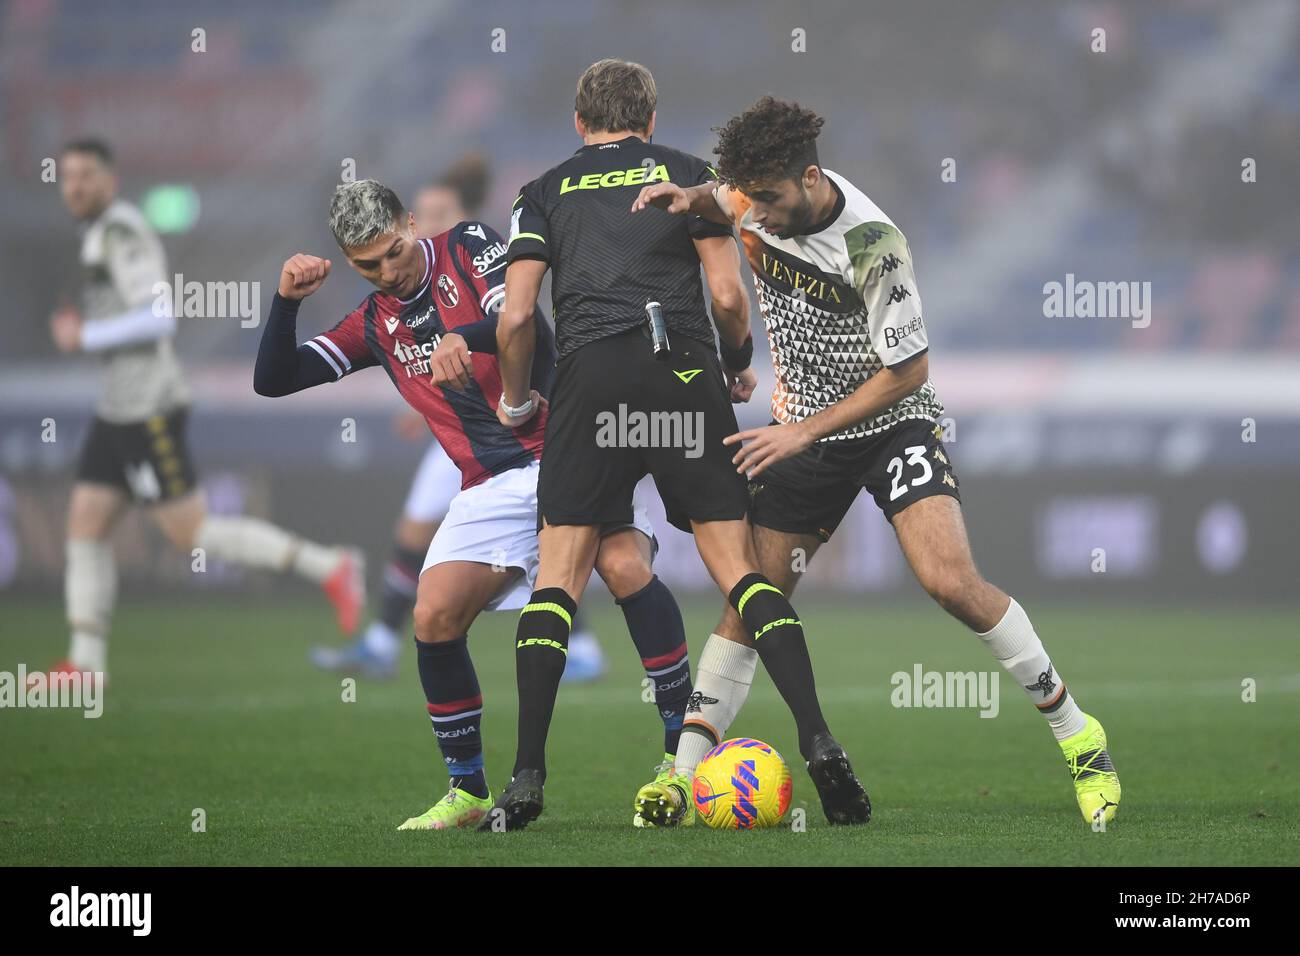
<point x="606" y="261"/>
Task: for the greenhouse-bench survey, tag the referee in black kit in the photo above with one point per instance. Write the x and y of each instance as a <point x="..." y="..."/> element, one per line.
<point x="635" y="348"/>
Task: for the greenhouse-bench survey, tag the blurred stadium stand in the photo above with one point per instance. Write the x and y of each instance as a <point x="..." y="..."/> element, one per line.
<point x="1122" y="166"/>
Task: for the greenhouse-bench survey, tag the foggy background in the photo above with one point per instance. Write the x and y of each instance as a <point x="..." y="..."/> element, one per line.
<point x="1010" y="152"/>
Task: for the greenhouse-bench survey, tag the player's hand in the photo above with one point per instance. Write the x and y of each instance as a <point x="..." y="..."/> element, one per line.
<point x="302" y="275"/>
<point x="539" y="403"/>
<point x="410" y="425"/>
<point x="450" y="363"/>
<point x="767" y="446"/>
<point x="65" y="328"/>
<point x="667" y="196"/>
<point x="742" y="385"/>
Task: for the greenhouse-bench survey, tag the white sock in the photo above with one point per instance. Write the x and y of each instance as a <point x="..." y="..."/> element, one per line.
<point x="722" y="681"/>
<point x="259" y="544"/>
<point x="584" y="645"/>
<point x="89" y="591"/>
<point x="382" y="640"/>
<point x="89" y="652"/>
<point x="1018" y="649"/>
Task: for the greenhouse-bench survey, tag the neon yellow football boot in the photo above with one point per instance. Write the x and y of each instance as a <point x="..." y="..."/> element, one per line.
<point x="457" y="809"/>
<point x="666" y="800"/>
<point x="1096" y="784"/>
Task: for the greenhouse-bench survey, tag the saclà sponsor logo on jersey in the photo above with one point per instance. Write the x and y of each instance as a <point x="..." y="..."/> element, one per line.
<point x="636" y="176"/>
<point x="483" y="261"/>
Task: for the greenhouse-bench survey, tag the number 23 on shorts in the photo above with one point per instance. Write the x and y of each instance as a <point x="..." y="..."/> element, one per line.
<point x="915" y="457"/>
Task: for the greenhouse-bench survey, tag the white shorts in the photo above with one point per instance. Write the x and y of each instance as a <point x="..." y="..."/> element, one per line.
<point x="436" y="482"/>
<point x="496" y="523"/>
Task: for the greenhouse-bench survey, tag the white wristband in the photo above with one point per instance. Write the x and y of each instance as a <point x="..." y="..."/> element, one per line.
<point x="511" y="411"/>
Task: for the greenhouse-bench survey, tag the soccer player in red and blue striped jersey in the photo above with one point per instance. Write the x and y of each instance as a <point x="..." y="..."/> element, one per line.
<point x="431" y="325"/>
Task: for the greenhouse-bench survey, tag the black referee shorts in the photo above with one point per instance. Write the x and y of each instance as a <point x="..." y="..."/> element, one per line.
<point x="617" y="414"/>
<point x="150" y="460"/>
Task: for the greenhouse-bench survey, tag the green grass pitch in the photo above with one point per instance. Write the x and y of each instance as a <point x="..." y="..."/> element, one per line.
<point x="213" y="706"/>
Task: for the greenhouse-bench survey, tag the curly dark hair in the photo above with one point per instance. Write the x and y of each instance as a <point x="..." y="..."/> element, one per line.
<point x="773" y="139"/>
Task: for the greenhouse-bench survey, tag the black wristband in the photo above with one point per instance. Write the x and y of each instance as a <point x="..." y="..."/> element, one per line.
<point x="737" y="360"/>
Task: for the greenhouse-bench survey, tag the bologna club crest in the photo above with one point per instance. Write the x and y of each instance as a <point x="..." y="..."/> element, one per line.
<point x="448" y="294"/>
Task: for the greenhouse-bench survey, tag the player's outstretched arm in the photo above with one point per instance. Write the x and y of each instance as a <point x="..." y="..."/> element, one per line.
<point x="884" y="389"/>
<point x="144" y="323"/>
<point x="769" y="444"/>
<point x="284" y="367"/>
<point x="678" y="200"/>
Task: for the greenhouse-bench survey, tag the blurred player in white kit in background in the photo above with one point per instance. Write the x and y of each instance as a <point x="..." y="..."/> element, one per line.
<point x="137" y="449"/>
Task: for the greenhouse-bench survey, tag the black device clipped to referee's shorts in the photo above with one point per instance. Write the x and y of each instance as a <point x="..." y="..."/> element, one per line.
<point x="658" y="330"/>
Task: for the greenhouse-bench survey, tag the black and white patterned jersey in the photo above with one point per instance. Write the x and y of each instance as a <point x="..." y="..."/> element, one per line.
<point x="840" y="303"/>
<point x="123" y="268"/>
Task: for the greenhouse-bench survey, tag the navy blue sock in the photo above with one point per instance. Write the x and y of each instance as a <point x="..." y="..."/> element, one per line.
<point x="455" y="710"/>
<point x="655" y="623"/>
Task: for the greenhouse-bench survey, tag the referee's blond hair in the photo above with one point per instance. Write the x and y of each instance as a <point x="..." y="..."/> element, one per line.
<point x="616" y="95"/>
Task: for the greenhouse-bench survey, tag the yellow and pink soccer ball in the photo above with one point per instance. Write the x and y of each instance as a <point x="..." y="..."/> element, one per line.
<point x="742" y="784"/>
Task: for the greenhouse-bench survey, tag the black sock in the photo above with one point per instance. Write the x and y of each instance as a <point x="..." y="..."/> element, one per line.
<point x="541" y="647"/>
<point x="455" y="710"/>
<point x="401" y="578"/>
<point x="655" y="623"/>
<point x="778" y="637"/>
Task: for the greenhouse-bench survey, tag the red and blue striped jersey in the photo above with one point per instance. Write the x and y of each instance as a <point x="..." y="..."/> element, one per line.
<point x="462" y="290"/>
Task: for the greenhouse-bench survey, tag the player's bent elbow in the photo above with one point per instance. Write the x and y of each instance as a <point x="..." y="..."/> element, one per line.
<point x="729" y="313"/>
<point x="728" y="300"/>
<point x="515" y="320"/>
<point x="267" y="387"/>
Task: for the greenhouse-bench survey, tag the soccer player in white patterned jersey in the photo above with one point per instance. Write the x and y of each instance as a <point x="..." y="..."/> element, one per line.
<point x="137" y="449"/>
<point x="853" y="409"/>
